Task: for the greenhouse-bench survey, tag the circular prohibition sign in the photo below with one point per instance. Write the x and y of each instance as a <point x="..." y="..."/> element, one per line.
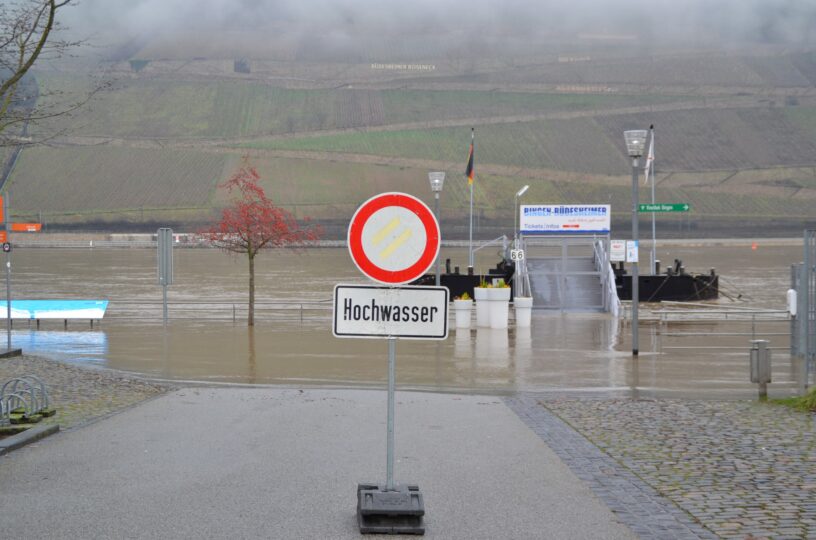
<point x="393" y="238"/>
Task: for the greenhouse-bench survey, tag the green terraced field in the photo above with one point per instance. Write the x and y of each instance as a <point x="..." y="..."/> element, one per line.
<point x="221" y="109"/>
<point x="311" y="188"/>
<point x="804" y="118"/>
<point x="65" y="180"/>
<point x="549" y="144"/>
<point x="117" y="184"/>
<point x="693" y="140"/>
<point x="706" y="149"/>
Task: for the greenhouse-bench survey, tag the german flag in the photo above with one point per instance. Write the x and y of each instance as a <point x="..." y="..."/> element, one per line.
<point x="469" y="169"/>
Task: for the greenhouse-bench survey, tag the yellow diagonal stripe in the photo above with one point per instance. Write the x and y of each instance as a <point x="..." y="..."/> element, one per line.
<point x="395" y="244"/>
<point x="380" y="236"/>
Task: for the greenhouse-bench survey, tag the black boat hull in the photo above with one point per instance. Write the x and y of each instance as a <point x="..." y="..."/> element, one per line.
<point x="678" y="288"/>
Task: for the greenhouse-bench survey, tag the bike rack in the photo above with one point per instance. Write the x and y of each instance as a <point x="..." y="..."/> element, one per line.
<point x="26" y="394"/>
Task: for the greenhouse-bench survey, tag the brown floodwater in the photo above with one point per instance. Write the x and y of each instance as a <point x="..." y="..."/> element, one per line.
<point x="583" y="352"/>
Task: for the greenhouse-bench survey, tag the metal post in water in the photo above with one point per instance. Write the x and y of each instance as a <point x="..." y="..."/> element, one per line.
<point x="470" y="234"/>
<point x="164" y="244"/>
<point x="654" y="234"/>
<point x="753" y="326"/>
<point x="164" y="302"/>
<point x="635" y="278"/>
<point x="8" y="272"/>
<point x="470" y="174"/>
<point x="437" y="180"/>
<point x="804" y="306"/>
<point x="392" y="360"/>
<point x="436" y="213"/>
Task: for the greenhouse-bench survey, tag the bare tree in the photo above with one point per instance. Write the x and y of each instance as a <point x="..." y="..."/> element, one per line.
<point x="27" y="36"/>
<point x="253" y="222"/>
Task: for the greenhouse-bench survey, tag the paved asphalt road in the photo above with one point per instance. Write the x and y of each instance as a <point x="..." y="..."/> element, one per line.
<point x="281" y="463"/>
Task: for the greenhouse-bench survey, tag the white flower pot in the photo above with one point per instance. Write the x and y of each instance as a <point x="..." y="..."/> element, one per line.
<point x="524" y="310"/>
<point x="482" y="312"/>
<point x="462" y="309"/>
<point x="498" y="301"/>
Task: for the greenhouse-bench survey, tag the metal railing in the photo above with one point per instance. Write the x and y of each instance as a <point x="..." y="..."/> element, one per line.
<point x="560" y="251"/>
<point x="501" y="240"/>
<point x="747" y="323"/>
<point x="609" y="290"/>
<point x="803" y="327"/>
<point x="700" y="315"/>
<point x="219" y="310"/>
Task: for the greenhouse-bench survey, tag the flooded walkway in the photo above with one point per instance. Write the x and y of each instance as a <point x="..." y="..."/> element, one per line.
<point x="561" y="351"/>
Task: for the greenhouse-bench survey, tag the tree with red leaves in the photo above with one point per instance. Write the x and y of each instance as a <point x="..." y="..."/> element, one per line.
<point x="252" y="223"/>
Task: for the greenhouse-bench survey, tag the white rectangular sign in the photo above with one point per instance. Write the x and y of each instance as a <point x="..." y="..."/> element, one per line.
<point x="565" y="219"/>
<point x="631" y="251"/>
<point x="368" y="311"/>
<point x="617" y="250"/>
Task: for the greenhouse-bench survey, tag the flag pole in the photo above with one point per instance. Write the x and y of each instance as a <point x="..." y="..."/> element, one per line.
<point x="470" y="181"/>
<point x="654" y="237"/>
<point x="470" y="256"/>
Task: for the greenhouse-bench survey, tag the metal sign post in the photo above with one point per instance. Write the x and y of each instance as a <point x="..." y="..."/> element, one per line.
<point x="393" y="239"/>
<point x="634" y="261"/>
<point x="165" y="264"/>
<point x="8" y="272"/>
<point x="392" y="368"/>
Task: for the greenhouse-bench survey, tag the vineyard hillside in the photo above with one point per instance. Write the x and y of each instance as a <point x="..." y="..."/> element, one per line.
<point x="329" y="124"/>
<point x="689" y="140"/>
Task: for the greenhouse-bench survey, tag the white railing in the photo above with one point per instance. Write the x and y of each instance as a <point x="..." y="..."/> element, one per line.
<point x="611" y="302"/>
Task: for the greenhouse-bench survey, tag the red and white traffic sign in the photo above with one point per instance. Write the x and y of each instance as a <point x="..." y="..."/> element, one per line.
<point x="393" y="238"/>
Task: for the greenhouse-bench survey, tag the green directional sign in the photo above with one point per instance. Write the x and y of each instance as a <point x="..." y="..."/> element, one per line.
<point x="664" y="207"/>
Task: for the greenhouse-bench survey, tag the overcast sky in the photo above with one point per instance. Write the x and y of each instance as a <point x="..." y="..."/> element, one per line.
<point x="790" y="22"/>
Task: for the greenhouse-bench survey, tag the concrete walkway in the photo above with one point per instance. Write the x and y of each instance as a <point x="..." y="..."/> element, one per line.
<point x="281" y="463"/>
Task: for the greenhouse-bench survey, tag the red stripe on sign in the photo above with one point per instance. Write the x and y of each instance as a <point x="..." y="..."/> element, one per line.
<point x="355" y="238"/>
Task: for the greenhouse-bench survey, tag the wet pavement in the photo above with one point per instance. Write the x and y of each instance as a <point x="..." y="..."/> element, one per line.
<point x="742" y="469"/>
<point x="283" y="463"/>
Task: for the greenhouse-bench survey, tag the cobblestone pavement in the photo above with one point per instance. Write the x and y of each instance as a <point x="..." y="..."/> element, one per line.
<point x="742" y="469"/>
<point x="80" y="394"/>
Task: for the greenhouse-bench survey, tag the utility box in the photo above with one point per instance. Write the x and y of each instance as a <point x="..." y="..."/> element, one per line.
<point x="760" y="362"/>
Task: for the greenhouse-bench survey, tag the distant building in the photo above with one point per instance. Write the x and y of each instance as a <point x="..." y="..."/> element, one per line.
<point x="241" y="65"/>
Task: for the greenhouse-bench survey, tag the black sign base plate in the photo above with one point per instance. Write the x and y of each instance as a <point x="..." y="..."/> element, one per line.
<point x="398" y="511"/>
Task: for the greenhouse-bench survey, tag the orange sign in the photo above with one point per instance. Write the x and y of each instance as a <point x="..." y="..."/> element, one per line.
<point x="3" y="237"/>
<point x="26" y="227"/>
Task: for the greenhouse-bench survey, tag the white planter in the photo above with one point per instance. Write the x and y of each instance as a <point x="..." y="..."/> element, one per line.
<point x="498" y="301"/>
<point x="524" y="310"/>
<point x="462" y="308"/>
<point x="482" y="312"/>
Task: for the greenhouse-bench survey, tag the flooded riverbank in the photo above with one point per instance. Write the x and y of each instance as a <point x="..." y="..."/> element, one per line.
<point x="564" y="351"/>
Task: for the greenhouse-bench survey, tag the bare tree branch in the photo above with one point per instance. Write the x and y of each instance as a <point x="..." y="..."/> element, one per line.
<point x="44" y="33"/>
<point x="26" y="37"/>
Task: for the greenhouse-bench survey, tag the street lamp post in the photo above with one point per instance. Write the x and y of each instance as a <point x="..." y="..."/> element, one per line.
<point x="437" y="180"/>
<point x="635" y="144"/>
<point x="516" y="224"/>
<point x="519" y="193"/>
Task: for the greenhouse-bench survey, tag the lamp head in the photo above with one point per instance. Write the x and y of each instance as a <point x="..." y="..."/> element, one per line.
<point x="522" y="191"/>
<point x="437" y="180"/>
<point x="635" y="141"/>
